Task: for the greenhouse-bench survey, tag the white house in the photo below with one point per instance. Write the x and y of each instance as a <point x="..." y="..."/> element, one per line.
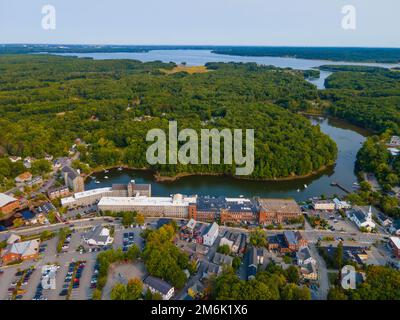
<point x="341" y="205"/>
<point x="324" y="205"/>
<point x="98" y="236"/>
<point x="211" y="235"/>
<point x="304" y="257"/>
<point x="361" y="219"/>
<point x="156" y="285"/>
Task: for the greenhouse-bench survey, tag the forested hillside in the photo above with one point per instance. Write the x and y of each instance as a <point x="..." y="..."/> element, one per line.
<point x="366" y="96"/>
<point x="47" y="101"/>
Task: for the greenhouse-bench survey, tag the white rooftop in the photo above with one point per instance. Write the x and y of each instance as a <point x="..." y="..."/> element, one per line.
<point x="145" y="201"/>
<point x="5" y="199"/>
<point x="92" y="192"/>
<point x="396" y="241"/>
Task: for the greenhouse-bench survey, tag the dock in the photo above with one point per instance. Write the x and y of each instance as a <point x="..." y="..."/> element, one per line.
<point x="336" y="184"/>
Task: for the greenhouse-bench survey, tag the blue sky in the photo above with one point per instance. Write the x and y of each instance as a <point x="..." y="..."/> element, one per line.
<point x="209" y="22"/>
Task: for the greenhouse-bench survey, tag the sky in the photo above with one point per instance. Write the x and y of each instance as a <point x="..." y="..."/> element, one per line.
<point x="202" y="22"/>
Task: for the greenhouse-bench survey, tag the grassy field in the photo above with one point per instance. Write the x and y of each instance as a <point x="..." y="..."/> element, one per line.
<point x="188" y="69"/>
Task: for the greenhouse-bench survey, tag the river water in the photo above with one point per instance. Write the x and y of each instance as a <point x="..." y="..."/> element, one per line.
<point x="201" y="57"/>
<point x="348" y="139"/>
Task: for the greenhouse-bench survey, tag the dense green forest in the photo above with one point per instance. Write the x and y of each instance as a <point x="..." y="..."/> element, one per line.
<point x="46" y="102"/>
<point x="366" y="96"/>
<point x="382" y="55"/>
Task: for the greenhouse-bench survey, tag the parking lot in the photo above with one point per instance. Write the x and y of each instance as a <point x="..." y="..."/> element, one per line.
<point x="68" y="262"/>
<point x="50" y="256"/>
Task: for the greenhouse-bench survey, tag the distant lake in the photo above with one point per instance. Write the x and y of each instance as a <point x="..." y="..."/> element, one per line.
<point x="201" y="57"/>
<point x="348" y="139"/>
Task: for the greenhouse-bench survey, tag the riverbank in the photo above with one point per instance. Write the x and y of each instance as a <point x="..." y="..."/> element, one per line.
<point x="162" y="178"/>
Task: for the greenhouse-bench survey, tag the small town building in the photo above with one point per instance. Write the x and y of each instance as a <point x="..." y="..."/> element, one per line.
<point x="24" y="177"/>
<point x="341" y="205"/>
<point x="394" y="243"/>
<point x="361" y="219"/>
<point x="328" y="205"/>
<point x="98" y="236"/>
<point x="395" y="227"/>
<point x="13" y="238"/>
<point x="309" y="271"/>
<point x="211" y="234"/>
<point x="278" y="210"/>
<point x="8" y="204"/>
<point x="73" y="179"/>
<point x="59" y="192"/>
<point x="157" y="285"/>
<point x="14" y="159"/>
<point x="17" y="251"/>
<point x="222" y="259"/>
<point x="303" y="256"/>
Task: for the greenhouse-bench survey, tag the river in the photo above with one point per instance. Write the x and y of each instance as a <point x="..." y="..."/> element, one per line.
<point x="201" y="57"/>
<point x="347" y="137"/>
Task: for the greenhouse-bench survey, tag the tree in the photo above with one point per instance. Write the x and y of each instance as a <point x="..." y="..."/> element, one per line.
<point x="336" y="294"/>
<point x="293" y="274"/>
<point x="132" y="291"/>
<point x="236" y="263"/>
<point x="128" y="218"/>
<point x="18" y="222"/>
<point x="338" y="257"/>
<point x="258" y="238"/>
<point x="224" y="249"/>
<point x="132" y="253"/>
<point x="140" y="219"/>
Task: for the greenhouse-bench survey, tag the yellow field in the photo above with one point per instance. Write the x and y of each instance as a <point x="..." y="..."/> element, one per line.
<point x="187" y="69"/>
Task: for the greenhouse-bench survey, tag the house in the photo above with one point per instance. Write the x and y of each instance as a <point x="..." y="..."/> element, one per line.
<point x="157" y="285"/>
<point x="8" y="204"/>
<point x="222" y="259"/>
<point x="13" y="238"/>
<point x="328" y="205"/>
<point x="341" y="205"/>
<point x="394" y="142"/>
<point x="14" y="159"/>
<point x="395" y="228"/>
<point x="384" y="220"/>
<point x="73" y="179"/>
<point x="361" y="219"/>
<point x="294" y="240"/>
<point x="303" y="256"/>
<point x="309" y="271"/>
<point x="226" y="240"/>
<point x="200" y="249"/>
<point x="211" y="269"/>
<point x="35" y="181"/>
<point x="20" y="251"/>
<point x="394" y="151"/>
<point x="48" y="157"/>
<point x="211" y="234"/>
<point x="59" y="192"/>
<point x="394" y="243"/>
<point x="28" y="162"/>
<point x="252" y="265"/>
<point x="23" y="177"/>
<point x="98" y="236"/>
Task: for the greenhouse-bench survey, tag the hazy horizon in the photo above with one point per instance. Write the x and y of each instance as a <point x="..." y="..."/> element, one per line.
<point x="307" y="23"/>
